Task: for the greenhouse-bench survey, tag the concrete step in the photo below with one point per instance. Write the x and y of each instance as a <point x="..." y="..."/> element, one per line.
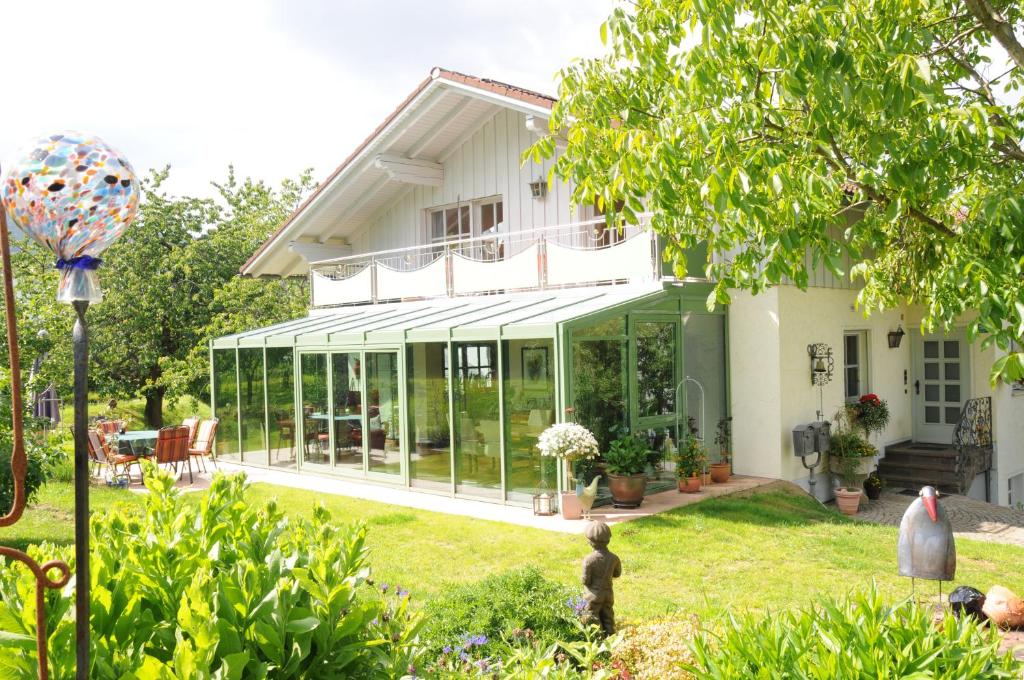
<point x="919" y="464"/>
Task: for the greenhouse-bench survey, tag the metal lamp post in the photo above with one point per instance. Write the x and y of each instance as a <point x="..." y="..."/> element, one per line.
<point x="74" y="195"/>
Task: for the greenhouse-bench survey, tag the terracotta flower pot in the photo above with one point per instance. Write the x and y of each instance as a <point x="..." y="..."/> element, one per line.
<point x="627" y="490"/>
<point x="570" y="505"/>
<point x="848" y="501"/>
<point x="689" y="484"/>
<point x="720" y="472"/>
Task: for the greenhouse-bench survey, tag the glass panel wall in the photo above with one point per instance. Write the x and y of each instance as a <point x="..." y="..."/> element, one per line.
<point x="383" y="413"/>
<point x="477" y="423"/>
<point x="225" y="403"/>
<point x="599" y="378"/>
<point x="656" y="369"/>
<point x="281" y="404"/>
<point x="252" y="405"/>
<point x="529" y="375"/>
<point x="316" y="444"/>
<point x="427" y="390"/>
<point x="348" y="411"/>
<point x="704" y="358"/>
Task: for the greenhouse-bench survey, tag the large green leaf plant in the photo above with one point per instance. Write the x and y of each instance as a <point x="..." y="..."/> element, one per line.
<point x="214" y="590"/>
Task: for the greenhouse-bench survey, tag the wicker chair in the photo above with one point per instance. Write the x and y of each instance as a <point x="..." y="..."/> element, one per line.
<point x="203" y="445"/>
<point x="172" y="448"/>
<point x="119" y="465"/>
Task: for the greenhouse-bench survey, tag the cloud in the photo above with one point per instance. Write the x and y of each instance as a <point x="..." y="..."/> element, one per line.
<point x="273" y="87"/>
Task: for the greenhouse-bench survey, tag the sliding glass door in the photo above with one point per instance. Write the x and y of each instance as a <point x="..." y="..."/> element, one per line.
<point x="383" y="415"/>
<point x="347" y="388"/>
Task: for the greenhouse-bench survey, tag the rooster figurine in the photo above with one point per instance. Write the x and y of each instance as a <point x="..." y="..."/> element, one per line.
<point x="587" y="495"/>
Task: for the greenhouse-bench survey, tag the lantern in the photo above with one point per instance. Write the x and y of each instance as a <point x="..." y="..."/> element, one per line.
<point x="75" y="195"/>
<point x="896" y="337"/>
<point x="542" y="504"/>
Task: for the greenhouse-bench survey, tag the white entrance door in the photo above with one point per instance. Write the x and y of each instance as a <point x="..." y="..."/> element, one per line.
<point x="941" y="385"/>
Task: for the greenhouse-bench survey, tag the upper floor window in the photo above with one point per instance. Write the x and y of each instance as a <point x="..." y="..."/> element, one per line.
<point x="603" y="234"/>
<point x="465" y="220"/>
<point x="855" y="364"/>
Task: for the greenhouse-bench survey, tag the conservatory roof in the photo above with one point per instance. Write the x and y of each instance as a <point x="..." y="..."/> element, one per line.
<point x="508" y="315"/>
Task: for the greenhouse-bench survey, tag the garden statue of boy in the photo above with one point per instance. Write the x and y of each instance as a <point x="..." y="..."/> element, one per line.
<point x="599" y="568"/>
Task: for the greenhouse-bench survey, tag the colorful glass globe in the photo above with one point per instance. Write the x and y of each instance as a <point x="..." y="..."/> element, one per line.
<point x="75" y="195"/>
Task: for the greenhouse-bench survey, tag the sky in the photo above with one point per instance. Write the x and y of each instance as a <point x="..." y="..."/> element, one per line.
<point x="271" y="86"/>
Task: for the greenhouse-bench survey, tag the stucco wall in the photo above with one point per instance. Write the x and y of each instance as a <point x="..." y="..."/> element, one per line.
<point x="754" y="373"/>
<point x="1008" y="417"/>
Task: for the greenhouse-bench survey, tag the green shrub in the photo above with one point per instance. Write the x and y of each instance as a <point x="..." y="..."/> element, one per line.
<point x="860" y="636"/>
<point x="35" y="474"/>
<point x="499" y="607"/>
<point x="217" y="588"/>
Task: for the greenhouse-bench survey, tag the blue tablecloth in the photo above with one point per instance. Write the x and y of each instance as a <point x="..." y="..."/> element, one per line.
<point x="137" y="442"/>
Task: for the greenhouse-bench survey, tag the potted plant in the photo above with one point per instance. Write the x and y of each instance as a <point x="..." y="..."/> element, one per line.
<point x="870" y="414"/>
<point x="689" y="462"/>
<point x="722" y="470"/>
<point x="625" y="463"/>
<point x="851" y="458"/>
<point x="568" y="442"/>
<point x="873" y="486"/>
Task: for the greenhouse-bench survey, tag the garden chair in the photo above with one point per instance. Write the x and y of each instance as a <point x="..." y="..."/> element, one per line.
<point x="109" y="426"/>
<point x="172" y="448"/>
<point x="206" y="436"/>
<point x="119" y="465"/>
<point x="192" y="423"/>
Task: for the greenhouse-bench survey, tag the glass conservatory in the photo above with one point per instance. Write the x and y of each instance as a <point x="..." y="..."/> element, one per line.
<point x="449" y="396"/>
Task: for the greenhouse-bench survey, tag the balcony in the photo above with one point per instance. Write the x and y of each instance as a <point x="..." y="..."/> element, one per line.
<point x="562" y="256"/>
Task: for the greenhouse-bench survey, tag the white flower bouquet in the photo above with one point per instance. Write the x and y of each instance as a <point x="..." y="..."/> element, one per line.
<point x="568" y="442"/>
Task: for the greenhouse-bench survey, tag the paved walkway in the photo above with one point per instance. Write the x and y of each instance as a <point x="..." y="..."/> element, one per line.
<point x="653" y="504"/>
<point x="970" y="518"/>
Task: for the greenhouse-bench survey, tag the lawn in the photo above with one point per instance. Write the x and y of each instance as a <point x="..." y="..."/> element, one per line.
<point x="768" y="550"/>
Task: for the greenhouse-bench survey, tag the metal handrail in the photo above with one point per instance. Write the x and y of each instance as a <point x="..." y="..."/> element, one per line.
<point x="345" y="259"/>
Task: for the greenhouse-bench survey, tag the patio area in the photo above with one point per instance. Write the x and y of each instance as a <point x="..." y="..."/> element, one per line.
<point x="653" y="503"/>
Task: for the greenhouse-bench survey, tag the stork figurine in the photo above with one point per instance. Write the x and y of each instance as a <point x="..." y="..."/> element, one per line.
<point x="926" y="547"/>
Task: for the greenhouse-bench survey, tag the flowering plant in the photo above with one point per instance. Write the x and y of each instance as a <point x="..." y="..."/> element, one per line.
<point x="568" y="441"/>
<point x="870" y="414"/>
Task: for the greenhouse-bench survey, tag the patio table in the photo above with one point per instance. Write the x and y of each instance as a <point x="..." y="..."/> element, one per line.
<point x="137" y="442"/>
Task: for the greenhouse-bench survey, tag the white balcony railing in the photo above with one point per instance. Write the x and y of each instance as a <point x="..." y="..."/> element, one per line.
<point x="574" y="254"/>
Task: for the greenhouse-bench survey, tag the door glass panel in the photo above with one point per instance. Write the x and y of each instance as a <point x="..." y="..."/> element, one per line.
<point x="952" y="371"/>
<point x="931" y="349"/>
<point x="281" y="400"/>
<point x="952" y="415"/>
<point x="225" y="398"/>
<point x="704" y="361"/>
<point x="252" y="405"/>
<point x="430" y="464"/>
<point x="931" y="371"/>
<point x="951" y="349"/>
<point x="931" y="393"/>
<point x="599" y="379"/>
<point x="655" y="368"/>
<point x="529" y="408"/>
<point x="316" y="445"/>
<point x="348" y="411"/>
<point x="383" y="413"/>
<point x="931" y="414"/>
<point x="477" y="424"/>
<point x="953" y="393"/>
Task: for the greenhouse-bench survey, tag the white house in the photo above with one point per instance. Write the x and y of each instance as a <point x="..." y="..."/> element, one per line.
<point x="459" y="306"/>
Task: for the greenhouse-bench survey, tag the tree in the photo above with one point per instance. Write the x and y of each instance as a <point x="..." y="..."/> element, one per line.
<point x="164" y="283"/>
<point x="790" y="134"/>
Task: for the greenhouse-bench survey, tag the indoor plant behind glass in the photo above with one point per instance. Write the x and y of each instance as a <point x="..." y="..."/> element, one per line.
<point x="625" y="462"/>
<point x="689" y="462"/>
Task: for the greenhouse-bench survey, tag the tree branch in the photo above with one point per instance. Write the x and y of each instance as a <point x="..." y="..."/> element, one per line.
<point x="1000" y="29"/>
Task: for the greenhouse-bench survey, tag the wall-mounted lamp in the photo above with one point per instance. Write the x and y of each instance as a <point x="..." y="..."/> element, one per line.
<point x="538" y="188"/>
<point x="896" y="337"/>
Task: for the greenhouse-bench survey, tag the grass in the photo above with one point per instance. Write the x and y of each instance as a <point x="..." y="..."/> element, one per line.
<point x="134" y="409"/>
<point x="766" y="551"/>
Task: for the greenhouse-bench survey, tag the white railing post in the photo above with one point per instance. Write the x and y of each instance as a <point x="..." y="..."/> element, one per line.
<point x="542" y="261"/>
<point x="449" y="273"/>
<point x="373" y="279"/>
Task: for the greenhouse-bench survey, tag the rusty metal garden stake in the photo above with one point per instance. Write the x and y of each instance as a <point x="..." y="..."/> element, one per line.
<point x="19" y="464"/>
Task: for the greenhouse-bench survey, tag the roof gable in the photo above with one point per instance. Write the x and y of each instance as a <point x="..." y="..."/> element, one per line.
<point x="442" y="110"/>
